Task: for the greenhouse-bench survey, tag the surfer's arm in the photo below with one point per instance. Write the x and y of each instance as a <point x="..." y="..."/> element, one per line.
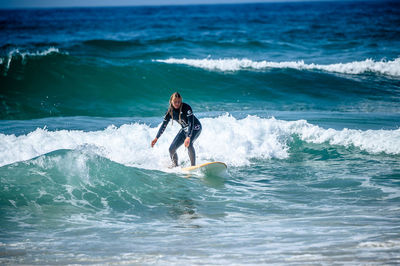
<point x="190" y="118"/>
<point x="167" y="117"/>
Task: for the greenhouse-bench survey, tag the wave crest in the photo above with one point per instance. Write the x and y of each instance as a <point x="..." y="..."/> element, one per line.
<point x="391" y="68"/>
<point x="17" y="54"/>
<point x="225" y="138"/>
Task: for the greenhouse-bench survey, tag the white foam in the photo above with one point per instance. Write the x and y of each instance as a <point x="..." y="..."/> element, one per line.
<point x="306" y="257"/>
<point x="390" y="244"/>
<point x="391" y="68"/>
<point x="224" y="138"/>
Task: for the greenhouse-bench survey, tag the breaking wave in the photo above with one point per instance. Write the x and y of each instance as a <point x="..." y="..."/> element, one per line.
<point x="391" y="68"/>
<point x="224" y="138"/>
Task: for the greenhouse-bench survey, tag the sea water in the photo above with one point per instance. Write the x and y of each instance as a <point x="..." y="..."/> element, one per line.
<point x="300" y="100"/>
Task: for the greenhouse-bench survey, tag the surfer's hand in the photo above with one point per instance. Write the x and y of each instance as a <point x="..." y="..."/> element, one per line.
<point x="187" y="142"/>
<point x="154" y="142"/>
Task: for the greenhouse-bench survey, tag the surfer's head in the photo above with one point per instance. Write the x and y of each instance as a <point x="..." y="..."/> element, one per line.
<point x="176" y="100"/>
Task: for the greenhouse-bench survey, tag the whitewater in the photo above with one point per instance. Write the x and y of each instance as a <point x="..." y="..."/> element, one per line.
<point x="390" y="68"/>
<point x="249" y="138"/>
<point x="299" y="99"/>
<point x="383" y="67"/>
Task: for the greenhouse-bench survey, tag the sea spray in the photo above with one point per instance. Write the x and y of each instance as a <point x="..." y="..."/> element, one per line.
<point x="317" y="184"/>
<point x="224" y="138"/>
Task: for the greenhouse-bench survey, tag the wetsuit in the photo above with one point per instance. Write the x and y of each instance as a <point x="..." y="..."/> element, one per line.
<point x="191" y="128"/>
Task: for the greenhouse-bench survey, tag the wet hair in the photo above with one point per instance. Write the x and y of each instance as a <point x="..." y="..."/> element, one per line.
<point x="171" y="107"/>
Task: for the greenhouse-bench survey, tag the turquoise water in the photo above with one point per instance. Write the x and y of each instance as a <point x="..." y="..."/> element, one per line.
<point x="300" y="100"/>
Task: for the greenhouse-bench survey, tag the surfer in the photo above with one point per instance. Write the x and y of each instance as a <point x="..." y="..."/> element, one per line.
<point x="191" y="128"/>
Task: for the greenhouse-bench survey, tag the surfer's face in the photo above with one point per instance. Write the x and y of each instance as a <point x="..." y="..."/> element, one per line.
<point x="176" y="102"/>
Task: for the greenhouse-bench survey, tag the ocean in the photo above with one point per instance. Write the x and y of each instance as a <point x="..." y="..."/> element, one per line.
<point x="301" y="100"/>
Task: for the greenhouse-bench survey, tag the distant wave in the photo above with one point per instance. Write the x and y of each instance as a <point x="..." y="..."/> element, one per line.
<point x="225" y="138"/>
<point x="120" y="44"/>
<point x="17" y="54"/>
<point x="391" y="68"/>
<point x="107" y="43"/>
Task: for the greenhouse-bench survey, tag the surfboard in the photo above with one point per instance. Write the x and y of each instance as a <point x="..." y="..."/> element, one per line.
<point x="211" y="168"/>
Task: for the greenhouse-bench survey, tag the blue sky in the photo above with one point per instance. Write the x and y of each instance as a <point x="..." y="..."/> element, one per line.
<point x="80" y="3"/>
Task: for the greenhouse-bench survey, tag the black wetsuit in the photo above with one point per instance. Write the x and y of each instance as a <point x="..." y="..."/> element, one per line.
<point x="191" y="128"/>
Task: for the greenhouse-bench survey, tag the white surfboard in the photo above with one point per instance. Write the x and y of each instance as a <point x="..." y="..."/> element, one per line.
<point x="212" y="168"/>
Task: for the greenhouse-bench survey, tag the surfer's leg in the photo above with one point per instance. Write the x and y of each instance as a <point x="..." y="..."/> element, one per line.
<point x="191" y="151"/>
<point x="192" y="154"/>
<point x="176" y="143"/>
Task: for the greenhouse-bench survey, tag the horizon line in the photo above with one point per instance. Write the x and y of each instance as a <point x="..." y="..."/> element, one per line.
<point x="233" y="2"/>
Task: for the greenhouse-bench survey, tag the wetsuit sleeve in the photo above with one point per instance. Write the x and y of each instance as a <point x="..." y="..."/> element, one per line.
<point x="167" y="117"/>
<point x="190" y="118"/>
